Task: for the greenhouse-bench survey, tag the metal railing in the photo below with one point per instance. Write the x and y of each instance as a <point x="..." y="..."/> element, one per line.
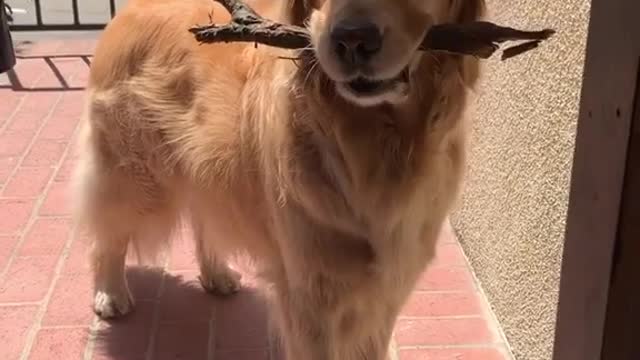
<point x="40" y="25"/>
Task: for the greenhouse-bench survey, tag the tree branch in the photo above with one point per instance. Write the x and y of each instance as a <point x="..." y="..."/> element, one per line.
<point x="481" y="39"/>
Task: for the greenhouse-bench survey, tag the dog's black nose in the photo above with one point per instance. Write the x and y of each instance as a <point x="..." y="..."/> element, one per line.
<point x="356" y="41"/>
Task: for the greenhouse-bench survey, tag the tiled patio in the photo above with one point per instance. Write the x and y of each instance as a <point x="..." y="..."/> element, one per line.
<point x="45" y="292"/>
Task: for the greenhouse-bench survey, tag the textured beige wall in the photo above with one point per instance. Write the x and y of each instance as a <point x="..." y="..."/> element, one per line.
<point x="512" y="215"/>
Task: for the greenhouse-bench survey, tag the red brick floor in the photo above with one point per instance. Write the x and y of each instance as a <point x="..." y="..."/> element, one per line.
<point x="45" y="290"/>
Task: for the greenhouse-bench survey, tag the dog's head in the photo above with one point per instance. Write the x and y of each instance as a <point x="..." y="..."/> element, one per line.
<point x="369" y="48"/>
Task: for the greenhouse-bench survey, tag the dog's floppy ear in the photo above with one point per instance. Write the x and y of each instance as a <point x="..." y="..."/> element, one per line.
<point x="299" y="11"/>
<point x="467" y="10"/>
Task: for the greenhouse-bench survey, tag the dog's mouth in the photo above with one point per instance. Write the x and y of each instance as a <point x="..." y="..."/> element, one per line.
<point x="364" y="87"/>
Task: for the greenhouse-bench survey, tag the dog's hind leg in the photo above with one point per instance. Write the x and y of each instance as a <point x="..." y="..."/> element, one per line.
<point x="216" y="276"/>
<point x="111" y="294"/>
<point x="110" y="227"/>
<point x="116" y="223"/>
<point x="119" y="204"/>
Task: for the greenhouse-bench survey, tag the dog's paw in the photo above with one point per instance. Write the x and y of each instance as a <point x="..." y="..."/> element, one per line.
<point x="108" y="306"/>
<point x="221" y="283"/>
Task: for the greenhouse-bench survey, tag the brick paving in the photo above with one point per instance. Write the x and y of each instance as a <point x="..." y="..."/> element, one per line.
<point x="45" y="289"/>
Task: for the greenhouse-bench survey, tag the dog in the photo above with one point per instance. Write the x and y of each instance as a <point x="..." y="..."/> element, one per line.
<point x="333" y="173"/>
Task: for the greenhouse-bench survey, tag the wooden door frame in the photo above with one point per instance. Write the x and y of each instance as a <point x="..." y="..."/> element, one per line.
<point x="595" y="309"/>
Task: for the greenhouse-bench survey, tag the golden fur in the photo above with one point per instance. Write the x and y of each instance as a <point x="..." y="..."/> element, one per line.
<point x="338" y="204"/>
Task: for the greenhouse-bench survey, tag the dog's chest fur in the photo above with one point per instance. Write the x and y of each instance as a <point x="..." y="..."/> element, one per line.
<point x="374" y="183"/>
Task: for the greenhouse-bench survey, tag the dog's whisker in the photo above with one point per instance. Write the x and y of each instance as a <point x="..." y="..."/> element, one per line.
<point x="311" y="70"/>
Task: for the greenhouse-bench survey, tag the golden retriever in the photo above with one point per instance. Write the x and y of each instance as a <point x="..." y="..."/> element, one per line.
<point x="333" y="173"/>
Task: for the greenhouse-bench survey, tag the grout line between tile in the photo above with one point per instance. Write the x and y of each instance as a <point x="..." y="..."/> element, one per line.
<point x="33" y="331"/>
<point x="443" y="292"/>
<point x="20" y="103"/>
<point x="155" y="322"/>
<point x="31" y="336"/>
<point x="38" y="203"/>
<point x="19" y="304"/>
<point x="446" y="317"/>
<point x="91" y="341"/>
<point x="34" y="210"/>
<point x="55" y="327"/>
<point x="492" y="319"/>
<point x="456" y="346"/>
<point x="211" y="343"/>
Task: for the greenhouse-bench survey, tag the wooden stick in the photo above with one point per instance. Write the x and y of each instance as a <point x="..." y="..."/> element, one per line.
<point x="481" y="38"/>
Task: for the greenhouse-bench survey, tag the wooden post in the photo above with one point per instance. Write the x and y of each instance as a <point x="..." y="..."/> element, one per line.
<point x="622" y="326"/>
<point x="596" y="311"/>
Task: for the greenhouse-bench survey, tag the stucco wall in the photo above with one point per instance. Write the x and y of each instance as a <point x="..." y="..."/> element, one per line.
<point x="511" y="218"/>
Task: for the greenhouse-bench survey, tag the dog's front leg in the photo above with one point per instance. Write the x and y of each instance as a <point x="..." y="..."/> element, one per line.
<point x="313" y="329"/>
<point x="330" y="302"/>
<point x="304" y="327"/>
